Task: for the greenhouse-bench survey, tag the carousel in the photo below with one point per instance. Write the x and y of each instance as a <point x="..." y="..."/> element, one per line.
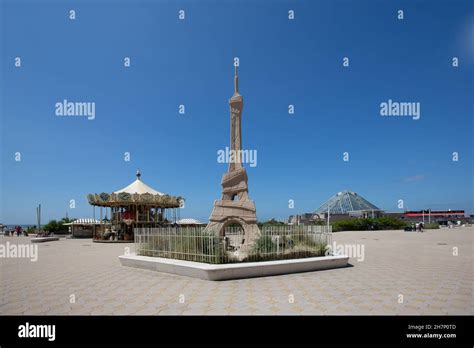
<point x="135" y="206"/>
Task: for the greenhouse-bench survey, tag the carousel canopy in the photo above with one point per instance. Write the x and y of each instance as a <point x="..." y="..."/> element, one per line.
<point x="139" y="187"/>
<point x="137" y="193"/>
<point x="87" y="221"/>
<point x="189" y="221"/>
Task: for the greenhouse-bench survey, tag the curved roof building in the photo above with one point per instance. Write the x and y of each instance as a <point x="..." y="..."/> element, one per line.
<point x="345" y="202"/>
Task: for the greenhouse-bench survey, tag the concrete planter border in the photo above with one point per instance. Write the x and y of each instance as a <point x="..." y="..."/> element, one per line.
<point x="233" y="270"/>
<point x="43" y="239"/>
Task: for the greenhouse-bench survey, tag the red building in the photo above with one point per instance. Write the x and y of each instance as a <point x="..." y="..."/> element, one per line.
<point x="435" y="215"/>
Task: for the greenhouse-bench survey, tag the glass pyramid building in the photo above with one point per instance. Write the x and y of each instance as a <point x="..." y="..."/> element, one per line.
<point x="345" y="202"/>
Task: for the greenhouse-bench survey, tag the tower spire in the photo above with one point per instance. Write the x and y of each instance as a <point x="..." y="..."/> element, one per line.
<point x="236" y="81"/>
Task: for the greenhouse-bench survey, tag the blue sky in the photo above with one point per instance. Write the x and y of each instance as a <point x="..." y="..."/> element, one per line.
<point x="282" y="62"/>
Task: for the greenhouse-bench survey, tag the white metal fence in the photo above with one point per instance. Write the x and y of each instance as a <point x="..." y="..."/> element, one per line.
<point x="182" y="243"/>
<point x="197" y="244"/>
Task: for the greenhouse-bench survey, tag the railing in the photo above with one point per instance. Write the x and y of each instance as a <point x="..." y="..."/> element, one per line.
<point x="200" y="245"/>
<point x="182" y="243"/>
<point x="292" y="241"/>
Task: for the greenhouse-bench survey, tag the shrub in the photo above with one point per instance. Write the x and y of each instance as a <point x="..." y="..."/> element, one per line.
<point x="30" y="230"/>
<point x="271" y="222"/>
<point x="57" y="226"/>
<point x="432" y="226"/>
<point x="290" y="247"/>
<point x="264" y="244"/>
<point x="367" y="224"/>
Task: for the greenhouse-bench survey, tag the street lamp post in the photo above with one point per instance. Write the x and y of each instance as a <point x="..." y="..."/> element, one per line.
<point x="329" y="212"/>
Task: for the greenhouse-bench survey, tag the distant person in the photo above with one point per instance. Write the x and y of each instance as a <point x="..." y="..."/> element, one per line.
<point x="421" y="226"/>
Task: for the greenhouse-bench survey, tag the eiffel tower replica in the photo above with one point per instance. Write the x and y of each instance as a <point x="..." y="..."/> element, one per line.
<point x="235" y="207"/>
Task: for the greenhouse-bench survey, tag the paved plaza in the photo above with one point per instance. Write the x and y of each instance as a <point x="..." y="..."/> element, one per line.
<point x="417" y="269"/>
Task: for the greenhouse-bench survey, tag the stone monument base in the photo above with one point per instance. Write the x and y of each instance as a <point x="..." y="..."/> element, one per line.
<point x="242" y="213"/>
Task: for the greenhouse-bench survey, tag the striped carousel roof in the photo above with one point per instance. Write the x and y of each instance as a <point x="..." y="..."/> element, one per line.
<point x="138" y="186"/>
<point x="189" y="222"/>
<point x="137" y="193"/>
<point x="86" y="221"/>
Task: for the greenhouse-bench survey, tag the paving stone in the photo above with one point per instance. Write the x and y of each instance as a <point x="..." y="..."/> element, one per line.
<point x="431" y="280"/>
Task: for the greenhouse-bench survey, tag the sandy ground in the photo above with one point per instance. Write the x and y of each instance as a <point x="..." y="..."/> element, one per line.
<point x="401" y="273"/>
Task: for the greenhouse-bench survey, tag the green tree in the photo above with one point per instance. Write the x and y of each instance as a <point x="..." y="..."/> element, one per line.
<point x="273" y="222"/>
<point x="57" y="226"/>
